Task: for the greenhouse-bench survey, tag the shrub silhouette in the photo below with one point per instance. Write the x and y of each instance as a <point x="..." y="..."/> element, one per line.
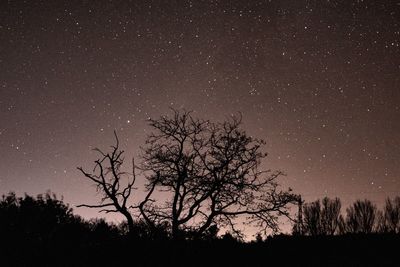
<point x="34" y="218"/>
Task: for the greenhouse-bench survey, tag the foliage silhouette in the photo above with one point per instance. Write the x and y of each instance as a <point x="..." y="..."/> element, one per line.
<point x="39" y="218"/>
<point x="43" y="231"/>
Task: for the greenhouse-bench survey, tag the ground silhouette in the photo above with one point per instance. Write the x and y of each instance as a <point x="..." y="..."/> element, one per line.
<point x="44" y="231"/>
<point x="209" y="175"/>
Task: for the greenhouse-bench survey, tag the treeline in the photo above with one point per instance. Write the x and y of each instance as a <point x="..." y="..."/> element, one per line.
<point x="325" y="217"/>
<point x="44" y="219"/>
<point x="43" y="231"/>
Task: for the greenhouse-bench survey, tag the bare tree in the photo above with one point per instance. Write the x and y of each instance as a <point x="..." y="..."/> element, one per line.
<point x="322" y="219"/>
<point x="312" y="218"/>
<point x="112" y="183"/>
<point x="331" y="217"/>
<point x="361" y="217"/>
<point x="209" y="174"/>
<point x="389" y="219"/>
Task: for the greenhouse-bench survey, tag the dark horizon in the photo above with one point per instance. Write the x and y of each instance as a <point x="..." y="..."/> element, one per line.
<point x="318" y="80"/>
<point x="43" y="231"/>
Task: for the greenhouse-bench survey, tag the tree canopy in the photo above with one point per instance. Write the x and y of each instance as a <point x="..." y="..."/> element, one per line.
<point x="200" y="175"/>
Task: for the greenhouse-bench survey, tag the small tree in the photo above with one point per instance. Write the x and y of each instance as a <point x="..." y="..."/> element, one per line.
<point x="209" y="174"/>
<point x="322" y="219"/>
<point x="312" y="218"/>
<point x="112" y="183"/>
<point x="331" y="219"/>
<point x="390" y="218"/>
<point x="361" y="217"/>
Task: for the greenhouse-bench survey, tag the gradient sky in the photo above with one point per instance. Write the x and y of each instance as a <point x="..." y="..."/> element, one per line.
<point x="318" y="80"/>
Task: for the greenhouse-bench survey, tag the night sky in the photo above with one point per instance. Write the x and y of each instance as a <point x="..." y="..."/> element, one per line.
<point x="318" y="80"/>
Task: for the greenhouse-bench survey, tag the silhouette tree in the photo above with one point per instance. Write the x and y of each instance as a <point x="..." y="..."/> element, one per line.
<point x="331" y="219"/>
<point x="361" y="217"/>
<point x="312" y="218"/>
<point x="322" y="219"/>
<point x="209" y="174"/>
<point x="114" y="184"/>
<point x="389" y="219"/>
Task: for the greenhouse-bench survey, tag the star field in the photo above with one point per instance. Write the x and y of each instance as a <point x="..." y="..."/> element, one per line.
<point x="318" y="80"/>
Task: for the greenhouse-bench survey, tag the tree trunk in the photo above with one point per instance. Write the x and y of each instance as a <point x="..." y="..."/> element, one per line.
<point x="129" y="220"/>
